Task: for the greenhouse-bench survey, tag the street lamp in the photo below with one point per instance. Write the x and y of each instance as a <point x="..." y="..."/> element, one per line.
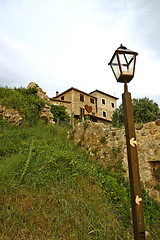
<point x="123" y="64"/>
<point x="123" y="67"/>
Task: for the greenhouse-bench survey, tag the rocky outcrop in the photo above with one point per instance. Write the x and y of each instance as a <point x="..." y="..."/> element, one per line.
<point x="45" y="113"/>
<point x="40" y="92"/>
<point x="11" y="115"/>
<point x="108" y="145"/>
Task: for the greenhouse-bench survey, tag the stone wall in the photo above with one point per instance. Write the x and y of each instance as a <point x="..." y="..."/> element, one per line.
<point x="46" y="115"/>
<point x="108" y="145"/>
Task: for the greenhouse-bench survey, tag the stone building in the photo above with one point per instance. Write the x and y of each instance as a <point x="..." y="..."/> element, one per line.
<point x="97" y="104"/>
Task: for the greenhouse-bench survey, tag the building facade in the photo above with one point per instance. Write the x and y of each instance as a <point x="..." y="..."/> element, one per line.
<point x="97" y="104"/>
<point x="106" y="104"/>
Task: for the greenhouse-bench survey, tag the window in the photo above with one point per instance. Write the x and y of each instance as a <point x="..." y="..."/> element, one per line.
<point x="103" y="101"/>
<point x="93" y="113"/>
<point x="81" y="97"/>
<point x="82" y="111"/>
<point x="92" y="100"/>
<point x="112" y="104"/>
<point x="104" y="114"/>
<point x="62" y="98"/>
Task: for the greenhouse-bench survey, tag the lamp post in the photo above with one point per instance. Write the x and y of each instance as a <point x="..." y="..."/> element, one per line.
<point x="123" y="67"/>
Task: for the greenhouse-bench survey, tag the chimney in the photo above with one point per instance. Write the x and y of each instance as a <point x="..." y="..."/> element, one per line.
<point x="57" y="93"/>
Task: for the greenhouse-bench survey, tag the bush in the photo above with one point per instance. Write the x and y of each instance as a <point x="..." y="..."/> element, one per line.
<point x="60" y="114"/>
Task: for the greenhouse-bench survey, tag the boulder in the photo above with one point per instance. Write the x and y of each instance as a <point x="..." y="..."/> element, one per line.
<point x="11" y="115"/>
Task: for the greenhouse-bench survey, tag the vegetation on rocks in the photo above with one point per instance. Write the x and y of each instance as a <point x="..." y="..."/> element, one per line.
<point x="24" y="100"/>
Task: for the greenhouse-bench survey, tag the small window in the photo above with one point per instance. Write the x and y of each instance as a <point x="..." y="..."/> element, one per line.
<point x="93" y="113"/>
<point x="81" y="97"/>
<point x="104" y="114"/>
<point x="82" y="111"/>
<point x="112" y="104"/>
<point x="62" y="98"/>
<point x="103" y="101"/>
<point x="92" y="100"/>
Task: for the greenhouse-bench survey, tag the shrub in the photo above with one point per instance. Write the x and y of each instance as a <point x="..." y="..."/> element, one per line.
<point x="60" y="114"/>
<point x="103" y="139"/>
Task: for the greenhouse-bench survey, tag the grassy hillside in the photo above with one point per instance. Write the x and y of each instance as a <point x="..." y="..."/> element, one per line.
<point x="49" y="189"/>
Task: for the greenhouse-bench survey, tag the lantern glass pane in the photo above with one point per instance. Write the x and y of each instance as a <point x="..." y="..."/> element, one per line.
<point x="115" y="67"/>
<point x="127" y="63"/>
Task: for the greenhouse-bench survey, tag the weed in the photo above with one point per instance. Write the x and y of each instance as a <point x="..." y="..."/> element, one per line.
<point x="103" y="139"/>
<point x="118" y="166"/>
<point x="27" y="162"/>
<point x="95" y="151"/>
<point x="85" y="125"/>
<point x="157" y="187"/>
<point x="71" y="136"/>
<point x="114" y="152"/>
<point x="118" y="150"/>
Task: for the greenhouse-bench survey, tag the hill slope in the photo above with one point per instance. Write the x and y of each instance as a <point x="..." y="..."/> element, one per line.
<point x="49" y="189"/>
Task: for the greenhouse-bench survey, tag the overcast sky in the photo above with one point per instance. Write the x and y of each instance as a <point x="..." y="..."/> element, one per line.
<point x="68" y="43"/>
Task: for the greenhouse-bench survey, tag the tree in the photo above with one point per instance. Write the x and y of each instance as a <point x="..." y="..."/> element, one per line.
<point x="59" y="113"/>
<point x="144" y="110"/>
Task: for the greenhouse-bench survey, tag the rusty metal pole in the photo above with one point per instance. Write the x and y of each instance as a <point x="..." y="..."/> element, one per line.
<point x="135" y="186"/>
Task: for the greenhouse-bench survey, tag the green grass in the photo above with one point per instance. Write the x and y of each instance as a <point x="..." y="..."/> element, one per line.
<point x="49" y="189"/>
